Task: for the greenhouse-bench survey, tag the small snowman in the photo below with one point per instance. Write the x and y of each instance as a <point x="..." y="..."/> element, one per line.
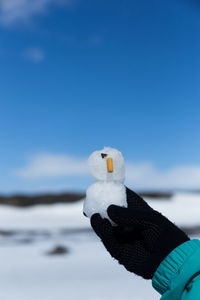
<point x="107" y="167"/>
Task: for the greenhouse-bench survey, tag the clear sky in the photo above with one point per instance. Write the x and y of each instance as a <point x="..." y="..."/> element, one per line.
<point x="78" y="75"/>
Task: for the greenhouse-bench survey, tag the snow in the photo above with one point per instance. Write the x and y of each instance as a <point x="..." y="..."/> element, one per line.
<point x="88" y="271"/>
<point x="43" y="217"/>
<point x="98" y="165"/>
<point x="109" y="188"/>
<point x="182" y="208"/>
<point x="101" y="195"/>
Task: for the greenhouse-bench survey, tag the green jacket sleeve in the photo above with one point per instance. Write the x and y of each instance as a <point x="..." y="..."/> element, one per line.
<point x="178" y="276"/>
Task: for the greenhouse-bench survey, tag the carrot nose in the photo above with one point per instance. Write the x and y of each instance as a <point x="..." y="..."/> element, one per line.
<point x="110" y="164"/>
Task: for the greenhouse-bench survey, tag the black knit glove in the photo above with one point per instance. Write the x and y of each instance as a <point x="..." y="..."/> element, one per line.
<point x="142" y="238"/>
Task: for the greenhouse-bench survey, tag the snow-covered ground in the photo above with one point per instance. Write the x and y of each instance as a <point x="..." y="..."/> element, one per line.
<point x="87" y="271"/>
<point x="182" y="208"/>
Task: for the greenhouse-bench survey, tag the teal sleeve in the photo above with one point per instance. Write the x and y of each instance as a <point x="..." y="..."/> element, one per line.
<point x="178" y="276"/>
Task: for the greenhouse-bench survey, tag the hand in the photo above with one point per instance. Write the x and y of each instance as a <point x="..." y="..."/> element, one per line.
<point x="142" y="238"/>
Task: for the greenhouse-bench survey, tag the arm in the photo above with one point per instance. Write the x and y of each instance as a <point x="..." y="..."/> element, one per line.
<point x="178" y="276"/>
<point x="148" y="244"/>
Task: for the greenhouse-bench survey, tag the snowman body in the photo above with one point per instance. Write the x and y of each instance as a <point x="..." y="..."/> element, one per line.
<point x="107" y="166"/>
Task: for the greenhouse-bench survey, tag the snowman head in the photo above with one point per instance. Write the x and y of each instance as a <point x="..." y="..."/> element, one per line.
<point x="107" y="165"/>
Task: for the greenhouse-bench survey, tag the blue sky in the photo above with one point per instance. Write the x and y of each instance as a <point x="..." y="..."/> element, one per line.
<point x="78" y="75"/>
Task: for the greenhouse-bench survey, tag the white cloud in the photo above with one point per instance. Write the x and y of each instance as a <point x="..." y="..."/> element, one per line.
<point x="35" y="55"/>
<point x="12" y="11"/>
<point x="146" y="175"/>
<point x="138" y="175"/>
<point x="52" y="165"/>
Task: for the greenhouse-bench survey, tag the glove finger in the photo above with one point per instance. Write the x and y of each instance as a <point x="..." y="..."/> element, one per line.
<point x="122" y="216"/>
<point x="135" y="201"/>
<point x="134" y="217"/>
<point x="96" y="223"/>
<point x="105" y="231"/>
<point x="109" y="240"/>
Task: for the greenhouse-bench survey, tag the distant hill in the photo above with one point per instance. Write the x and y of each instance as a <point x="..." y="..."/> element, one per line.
<point x="156" y="195"/>
<point x="30" y="200"/>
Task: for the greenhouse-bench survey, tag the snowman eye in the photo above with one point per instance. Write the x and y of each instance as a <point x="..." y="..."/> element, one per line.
<point x="103" y="155"/>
